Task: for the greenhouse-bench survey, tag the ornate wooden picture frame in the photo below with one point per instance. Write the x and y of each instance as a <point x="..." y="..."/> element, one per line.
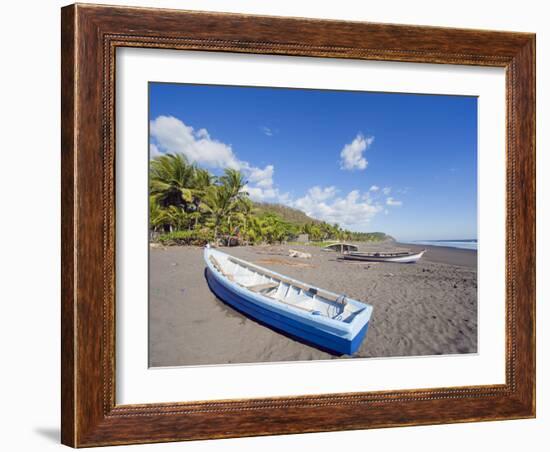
<point x="90" y="37"/>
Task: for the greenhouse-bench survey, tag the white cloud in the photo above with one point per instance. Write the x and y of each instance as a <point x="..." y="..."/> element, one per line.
<point x="321" y="194"/>
<point x="173" y="136"/>
<point x="353" y="211"/>
<point x="262" y="177"/>
<point x="267" y="131"/>
<point x="386" y="190"/>
<point x="259" y="194"/>
<point x="351" y="156"/>
<point x="203" y="133"/>
<point x="154" y="151"/>
<point x="260" y="186"/>
<point x="367" y="197"/>
<point x="270" y="194"/>
<point x="393" y="202"/>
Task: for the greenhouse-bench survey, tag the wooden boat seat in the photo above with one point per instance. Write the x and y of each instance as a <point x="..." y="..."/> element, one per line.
<point x="263" y="287"/>
<point x="257" y="287"/>
<point x="218" y="267"/>
<point x="295" y="305"/>
<point x="303" y="287"/>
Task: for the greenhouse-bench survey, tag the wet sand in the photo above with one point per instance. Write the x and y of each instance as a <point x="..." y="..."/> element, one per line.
<point x="428" y="308"/>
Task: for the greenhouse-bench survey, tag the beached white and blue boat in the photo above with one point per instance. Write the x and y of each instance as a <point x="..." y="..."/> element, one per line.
<point x="327" y="320"/>
<point x="405" y="257"/>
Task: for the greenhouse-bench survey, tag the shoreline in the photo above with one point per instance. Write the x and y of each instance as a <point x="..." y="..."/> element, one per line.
<point x="445" y="254"/>
<point x="436" y="254"/>
<point x="428" y="308"/>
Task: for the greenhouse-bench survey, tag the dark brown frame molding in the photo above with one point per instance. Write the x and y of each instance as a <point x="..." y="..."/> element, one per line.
<point x="90" y="35"/>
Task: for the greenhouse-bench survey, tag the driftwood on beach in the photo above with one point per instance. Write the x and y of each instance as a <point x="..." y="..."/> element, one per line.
<point x="300" y="254"/>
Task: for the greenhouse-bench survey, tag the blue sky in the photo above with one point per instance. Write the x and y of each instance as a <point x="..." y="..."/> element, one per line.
<point x="403" y="164"/>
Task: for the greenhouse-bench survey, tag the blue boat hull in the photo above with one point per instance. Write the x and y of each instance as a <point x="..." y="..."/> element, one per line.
<point x="321" y="339"/>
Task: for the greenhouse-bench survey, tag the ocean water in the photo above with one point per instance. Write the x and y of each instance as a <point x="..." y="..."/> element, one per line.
<point x="464" y="244"/>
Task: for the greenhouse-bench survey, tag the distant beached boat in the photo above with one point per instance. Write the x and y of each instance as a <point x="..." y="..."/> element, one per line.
<point x="340" y="247"/>
<point x="406" y="257"/>
<point x="327" y="320"/>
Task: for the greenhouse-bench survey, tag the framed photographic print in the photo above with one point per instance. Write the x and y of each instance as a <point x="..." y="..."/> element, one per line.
<point x="279" y="225"/>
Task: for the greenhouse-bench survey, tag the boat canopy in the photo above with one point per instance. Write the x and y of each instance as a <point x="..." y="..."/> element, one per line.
<point x="340" y="247"/>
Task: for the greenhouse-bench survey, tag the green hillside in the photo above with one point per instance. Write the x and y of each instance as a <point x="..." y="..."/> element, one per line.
<point x="287" y="214"/>
<point x="313" y="227"/>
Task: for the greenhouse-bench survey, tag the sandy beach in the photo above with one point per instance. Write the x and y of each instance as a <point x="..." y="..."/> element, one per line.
<point x="428" y="308"/>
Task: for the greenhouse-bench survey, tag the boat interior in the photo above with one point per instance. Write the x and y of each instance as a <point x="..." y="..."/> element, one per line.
<point x="298" y="295"/>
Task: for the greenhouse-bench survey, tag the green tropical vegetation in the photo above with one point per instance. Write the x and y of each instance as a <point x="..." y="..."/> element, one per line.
<point x="190" y="206"/>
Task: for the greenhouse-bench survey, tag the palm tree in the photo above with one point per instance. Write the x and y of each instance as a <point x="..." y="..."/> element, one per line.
<point x="156" y="215"/>
<point x="234" y="181"/>
<point x="166" y="219"/>
<point x="315" y="232"/>
<point x="217" y="202"/>
<point x="202" y="180"/>
<point x="251" y="230"/>
<point x="223" y="201"/>
<point x="245" y="214"/>
<point x="171" y="181"/>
